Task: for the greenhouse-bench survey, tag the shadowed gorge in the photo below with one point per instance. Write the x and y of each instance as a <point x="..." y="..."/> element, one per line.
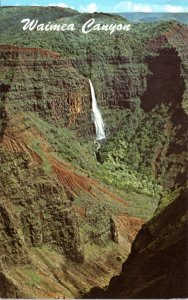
<point x="165" y="85"/>
<point x="72" y="212"/>
<point x="149" y="273"/>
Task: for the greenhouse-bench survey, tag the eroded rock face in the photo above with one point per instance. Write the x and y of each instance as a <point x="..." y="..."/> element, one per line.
<point x="157" y="265"/>
<point x="39" y="231"/>
<point x="13" y="247"/>
<point x="41" y="81"/>
<point x="57" y="88"/>
<point x="34" y="207"/>
<point x="8" y="289"/>
<point x="3" y="114"/>
<point x="101" y="227"/>
<point x="34" y="211"/>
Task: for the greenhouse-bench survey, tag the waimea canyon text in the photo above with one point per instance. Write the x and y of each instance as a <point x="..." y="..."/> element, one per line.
<point x="87" y="27"/>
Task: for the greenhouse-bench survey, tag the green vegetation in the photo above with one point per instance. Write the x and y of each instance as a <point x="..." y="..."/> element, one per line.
<point x="169" y="198"/>
<point x="127" y="157"/>
<point x="74" y="44"/>
<point x="64" y="142"/>
<point x="123" y="167"/>
<point x="34" y="278"/>
<point x="138" y="190"/>
<point x="59" y="227"/>
<point x="11" y="16"/>
<point x="36" y="146"/>
<point x="132" y="155"/>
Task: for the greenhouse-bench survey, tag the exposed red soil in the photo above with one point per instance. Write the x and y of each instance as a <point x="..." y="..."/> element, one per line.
<point x="15" y="139"/>
<point x="71" y="181"/>
<point x="80" y="210"/>
<point x="75" y="182"/>
<point x="129" y="226"/>
<point x="175" y="36"/>
<point x="18" y="146"/>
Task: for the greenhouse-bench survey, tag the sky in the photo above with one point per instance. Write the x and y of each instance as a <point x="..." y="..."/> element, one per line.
<point x="109" y="5"/>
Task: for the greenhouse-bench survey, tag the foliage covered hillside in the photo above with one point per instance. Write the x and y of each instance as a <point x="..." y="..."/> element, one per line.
<point x="142" y="132"/>
<point x="69" y="214"/>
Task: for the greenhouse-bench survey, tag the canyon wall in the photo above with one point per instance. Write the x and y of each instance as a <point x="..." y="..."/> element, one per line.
<point x="41" y="81"/>
<point x="57" y="88"/>
<point x="57" y="220"/>
<point x="157" y="265"/>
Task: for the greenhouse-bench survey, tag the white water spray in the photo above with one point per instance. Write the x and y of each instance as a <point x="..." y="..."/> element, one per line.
<point x="98" y="120"/>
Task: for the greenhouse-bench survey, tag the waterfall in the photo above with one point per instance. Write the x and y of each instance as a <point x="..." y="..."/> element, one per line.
<point x="98" y="121"/>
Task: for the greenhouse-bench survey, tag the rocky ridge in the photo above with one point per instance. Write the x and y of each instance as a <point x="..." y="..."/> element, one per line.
<point x="157" y="265"/>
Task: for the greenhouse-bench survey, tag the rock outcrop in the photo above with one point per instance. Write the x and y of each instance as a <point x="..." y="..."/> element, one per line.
<point x="35" y="211"/>
<point x="41" y="81"/>
<point x="46" y="240"/>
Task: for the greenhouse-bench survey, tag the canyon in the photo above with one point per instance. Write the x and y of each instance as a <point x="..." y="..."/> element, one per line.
<point x="158" y="250"/>
<point x="68" y="221"/>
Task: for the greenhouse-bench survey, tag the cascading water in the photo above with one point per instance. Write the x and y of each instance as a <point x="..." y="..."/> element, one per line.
<point x="98" y="120"/>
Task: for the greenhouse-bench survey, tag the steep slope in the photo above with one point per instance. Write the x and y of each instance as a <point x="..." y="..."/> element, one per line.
<point x="34" y="211"/>
<point x="145" y="117"/>
<point x="55" y="88"/>
<point x="56" y="96"/>
<point x="40" y="230"/>
<point x="51" y="211"/>
<point x="67" y="220"/>
<point x="50" y="229"/>
<point x="157" y="266"/>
